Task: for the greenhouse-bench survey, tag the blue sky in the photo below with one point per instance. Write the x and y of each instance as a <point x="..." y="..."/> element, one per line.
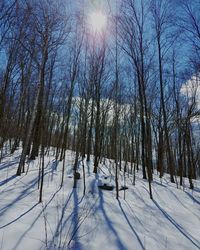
<point x="109" y="7"/>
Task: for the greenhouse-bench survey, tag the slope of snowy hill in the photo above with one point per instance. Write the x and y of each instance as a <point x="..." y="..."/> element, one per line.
<point x="68" y="220"/>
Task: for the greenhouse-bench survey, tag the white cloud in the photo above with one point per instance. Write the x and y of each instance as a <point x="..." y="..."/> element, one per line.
<point x="191" y="89"/>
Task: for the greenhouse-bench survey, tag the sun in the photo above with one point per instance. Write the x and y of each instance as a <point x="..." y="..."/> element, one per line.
<point x="98" y="21"/>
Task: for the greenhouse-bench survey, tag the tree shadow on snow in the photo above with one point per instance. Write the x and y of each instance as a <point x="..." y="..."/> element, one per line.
<point x="196" y="189"/>
<point x="29" y="188"/>
<point x="179" y="200"/>
<point x="76" y="223"/>
<point x="178" y="227"/>
<point x="109" y="223"/>
<point x="159" y="183"/>
<point x="193" y="198"/>
<point x="19" y="217"/>
<point x="54" y="167"/>
<point x="21" y="196"/>
<point x="66" y="237"/>
<point x="5" y="165"/>
<point x="7" y="180"/>
<point x="60" y="225"/>
<point x="88" y="168"/>
<point x="35" y="220"/>
<point x="130" y="225"/>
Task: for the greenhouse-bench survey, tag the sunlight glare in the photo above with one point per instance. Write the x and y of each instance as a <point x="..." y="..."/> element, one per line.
<point x="98" y="21"/>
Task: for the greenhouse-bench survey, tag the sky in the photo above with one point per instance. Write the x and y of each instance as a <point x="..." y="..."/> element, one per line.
<point x="109" y="7"/>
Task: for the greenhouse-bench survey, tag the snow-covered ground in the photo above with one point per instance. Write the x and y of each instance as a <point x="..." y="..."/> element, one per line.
<point x="68" y="220"/>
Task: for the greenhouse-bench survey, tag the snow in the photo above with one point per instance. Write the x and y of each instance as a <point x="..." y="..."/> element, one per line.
<point x="68" y="220"/>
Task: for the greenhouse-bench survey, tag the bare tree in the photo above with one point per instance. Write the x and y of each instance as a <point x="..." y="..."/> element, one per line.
<point x="162" y="19"/>
<point x="47" y="38"/>
<point x="135" y="45"/>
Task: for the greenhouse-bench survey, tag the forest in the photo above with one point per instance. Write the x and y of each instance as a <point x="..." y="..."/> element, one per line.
<point x="114" y="84"/>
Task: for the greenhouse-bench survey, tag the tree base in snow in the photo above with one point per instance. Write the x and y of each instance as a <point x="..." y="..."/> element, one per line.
<point x="77" y="175"/>
<point x="106" y="187"/>
<point x="123" y="188"/>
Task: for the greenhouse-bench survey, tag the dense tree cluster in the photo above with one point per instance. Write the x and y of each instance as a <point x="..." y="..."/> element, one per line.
<point x="124" y="93"/>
